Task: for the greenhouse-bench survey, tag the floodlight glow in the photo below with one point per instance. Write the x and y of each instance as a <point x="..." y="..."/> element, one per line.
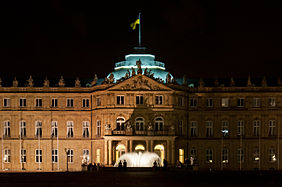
<point x="126" y="56"/>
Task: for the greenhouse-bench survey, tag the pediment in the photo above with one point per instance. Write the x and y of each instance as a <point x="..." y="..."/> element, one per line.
<point x="140" y="82"/>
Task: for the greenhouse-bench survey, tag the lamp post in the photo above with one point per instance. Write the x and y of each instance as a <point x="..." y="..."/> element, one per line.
<point x="67" y="153"/>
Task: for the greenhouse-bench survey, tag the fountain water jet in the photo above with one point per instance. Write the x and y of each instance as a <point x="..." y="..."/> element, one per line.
<point x="139" y="159"/>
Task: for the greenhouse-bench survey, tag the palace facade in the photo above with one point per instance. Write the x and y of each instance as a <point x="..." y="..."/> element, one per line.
<point x="140" y="107"/>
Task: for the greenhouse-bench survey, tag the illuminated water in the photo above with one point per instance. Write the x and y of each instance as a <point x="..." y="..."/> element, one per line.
<point x="139" y="159"/>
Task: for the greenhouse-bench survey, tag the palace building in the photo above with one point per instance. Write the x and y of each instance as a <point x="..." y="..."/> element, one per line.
<point x="140" y="107"/>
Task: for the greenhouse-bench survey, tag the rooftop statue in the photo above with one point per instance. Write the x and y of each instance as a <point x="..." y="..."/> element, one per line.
<point x="138" y="63"/>
<point x="77" y="82"/>
<point x="61" y="82"/>
<point x="264" y="82"/>
<point x="94" y="82"/>
<point x="15" y="82"/>
<point x="168" y="78"/>
<point x="46" y="82"/>
<point x="111" y="78"/>
<point x="0" y="82"/>
<point x="30" y="81"/>
<point x="232" y="82"/>
<point x="133" y="71"/>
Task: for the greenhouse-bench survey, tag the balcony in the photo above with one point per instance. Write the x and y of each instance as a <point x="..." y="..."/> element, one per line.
<point x="141" y="133"/>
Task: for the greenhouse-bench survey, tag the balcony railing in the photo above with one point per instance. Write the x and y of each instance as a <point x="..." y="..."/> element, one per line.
<point x="142" y="133"/>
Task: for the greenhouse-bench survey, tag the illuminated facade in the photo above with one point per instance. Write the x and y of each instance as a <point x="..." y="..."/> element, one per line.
<point x="140" y="107"/>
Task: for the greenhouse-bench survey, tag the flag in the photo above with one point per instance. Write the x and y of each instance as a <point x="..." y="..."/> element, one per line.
<point x="133" y="25"/>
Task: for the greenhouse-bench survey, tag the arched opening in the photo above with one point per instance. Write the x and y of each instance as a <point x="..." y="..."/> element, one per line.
<point x="159" y="149"/>
<point x="139" y="124"/>
<point x="120" y="123"/>
<point x="120" y="150"/>
<point x="139" y="147"/>
<point x="159" y="124"/>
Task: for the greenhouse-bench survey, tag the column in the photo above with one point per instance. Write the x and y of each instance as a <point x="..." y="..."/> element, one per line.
<point x="130" y="146"/>
<point x="147" y="145"/>
<point x="168" y="151"/>
<point x="126" y="146"/>
<point x="106" y="152"/>
<point x="173" y="152"/>
<point x="152" y="144"/>
<point x="110" y="152"/>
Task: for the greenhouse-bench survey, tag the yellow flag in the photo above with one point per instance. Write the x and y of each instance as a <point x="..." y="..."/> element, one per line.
<point x="133" y="25"/>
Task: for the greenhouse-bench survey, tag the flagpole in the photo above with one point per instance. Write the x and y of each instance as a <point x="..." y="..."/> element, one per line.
<point x="139" y="29"/>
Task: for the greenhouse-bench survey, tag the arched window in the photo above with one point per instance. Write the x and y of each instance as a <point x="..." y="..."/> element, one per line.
<point x="120" y="123"/>
<point x="139" y="124"/>
<point x="159" y="124"/>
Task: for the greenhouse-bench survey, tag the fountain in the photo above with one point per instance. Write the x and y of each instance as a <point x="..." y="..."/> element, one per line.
<point x="139" y="159"/>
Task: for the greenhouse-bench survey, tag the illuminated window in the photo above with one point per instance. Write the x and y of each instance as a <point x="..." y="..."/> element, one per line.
<point x="54" y="155"/>
<point x="272" y="101"/>
<point x="256" y="102"/>
<point x="224" y="155"/>
<point x="139" y="124"/>
<point x="38" y="155"/>
<point x="159" y="99"/>
<point x="69" y="102"/>
<point x="209" y="128"/>
<point x="38" y="129"/>
<point x="209" y="102"/>
<point x="225" y="128"/>
<point x="256" y="127"/>
<point x="159" y="124"/>
<point x="7" y="130"/>
<point x="22" y="128"/>
<point x="209" y="156"/>
<point x="85" y="103"/>
<point x="98" y="101"/>
<point x="23" y="156"/>
<point x="256" y="155"/>
<point x="224" y="102"/>
<point x="69" y="129"/>
<point x="98" y="155"/>
<point x="54" y="128"/>
<point x="241" y="102"/>
<point x="240" y="127"/>
<point x="193" y="128"/>
<point x="6" y="102"/>
<point x="7" y="156"/>
<point x="22" y="102"/>
<point x="272" y="155"/>
<point x="54" y="102"/>
<point x="272" y="127"/>
<point x="193" y="102"/>
<point x="181" y="155"/>
<point x="85" y="129"/>
<point x="120" y="99"/>
<point x="120" y="123"/>
<point x="98" y="128"/>
<point x="38" y="102"/>
<point x="240" y="155"/>
<point x="85" y="156"/>
<point x="70" y="155"/>
<point x="139" y="100"/>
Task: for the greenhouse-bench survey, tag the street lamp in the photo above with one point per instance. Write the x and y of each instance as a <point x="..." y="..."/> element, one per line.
<point x="67" y="153"/>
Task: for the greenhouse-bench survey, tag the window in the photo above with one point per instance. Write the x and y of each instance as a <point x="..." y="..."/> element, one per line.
<point x="38" y="129"/>
<point x="225" y="128"/>
<point x="193" y="128"/>
<point x="98" y="128"/>
<point x="272" y="126"/>
<point x="7" y="156"/>
<point x="180" y="127"/>
<point x="272" y="101"/>
<point x="209" y="155"/>
<point x="180" y="101"/>
<point x="256" y="102"/>
<point x="193" y="153"/>
<point x="85" y="129"/>
<point x="85" y="156"/>
<point x="120" y="99"/>
<point x="193" y="102"/>
<point x="240" y="128"/>
<point x="54" y="102"/>
<point x="98" y="155"/>
<point x="69" y="129"/>
<point x="159" y="99"/>
<point x="256" y="155"/>
<point x="209" y="102"/>
<point x="240" y="155"/>
<point x="23" y="156"/>
<point x="38" y="102"/>
<point x="38" y="155"/>
<point x="69" y="102"/>
<point x="6" y="102"/>
<point x="54" y="129"/>
<point x="139" y="100"/>
<point x="256" y="127"/>
<point x="98" y="101"/>
<point x="70" y="155"/>
<point x="209" y="128"/>
<point x="159" y="124"/>
<point x="224" y="155"/>
<point x="224" y="102"/>
<point x="139" y="124"/>
<point x="240" y="102"/>
<point x="22" y="102"/>
<point x="54" y="155"/>
<point x="120" y="123"/>
<point x="22" y="128"/>
<point x="85" y="103"/>
<point x="272" y="155"/>
<point x="181" y="155"/>
<point x="7" y="130"/>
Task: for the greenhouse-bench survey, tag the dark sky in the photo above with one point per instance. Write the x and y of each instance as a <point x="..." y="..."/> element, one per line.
<point x="193" y="37"/>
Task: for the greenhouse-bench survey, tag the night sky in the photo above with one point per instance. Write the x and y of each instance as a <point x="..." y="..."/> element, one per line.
<point x="193" y="37"/>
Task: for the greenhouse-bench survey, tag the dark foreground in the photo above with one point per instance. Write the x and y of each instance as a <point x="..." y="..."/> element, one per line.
<point x="142" y="177"/>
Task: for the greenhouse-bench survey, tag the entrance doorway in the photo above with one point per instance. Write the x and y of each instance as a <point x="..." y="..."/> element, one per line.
<point x="159" y="149"/>
<point x="120" y="150"/>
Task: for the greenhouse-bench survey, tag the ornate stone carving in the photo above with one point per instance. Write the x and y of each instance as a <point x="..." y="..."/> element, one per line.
<point x="94" y="82"/>
<point x="133" y="72"/>
<point x="138" y="63"/>
<point x="30" y="81"/>
<point x="46" y="82"/>
<point x="128" y="73"/>
<point x="61" y="82"/>
<point x="77" y="82"/>
<point x="15" y="82"/>
<point x="111" y="78"/>
<point x="168" y="78"/>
